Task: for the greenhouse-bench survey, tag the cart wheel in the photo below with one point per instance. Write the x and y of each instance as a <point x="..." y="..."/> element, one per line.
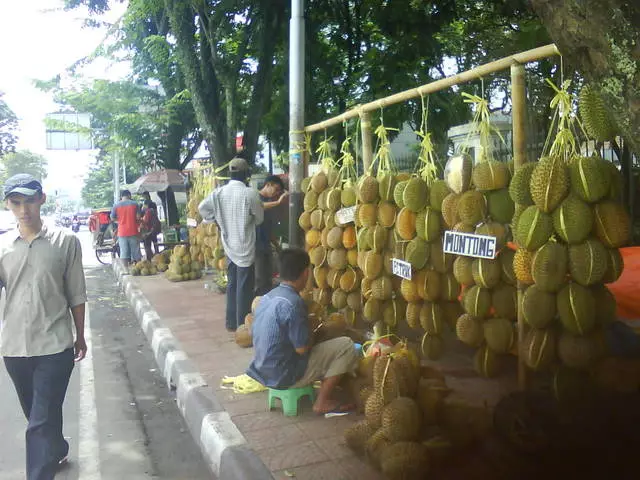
<point x="105" y="257"/>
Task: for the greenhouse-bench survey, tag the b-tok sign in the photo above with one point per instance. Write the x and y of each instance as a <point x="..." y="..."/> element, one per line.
<point x="469" y="244"/>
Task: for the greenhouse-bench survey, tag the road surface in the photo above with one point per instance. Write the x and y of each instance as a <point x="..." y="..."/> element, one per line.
<point x="120" y="419"/>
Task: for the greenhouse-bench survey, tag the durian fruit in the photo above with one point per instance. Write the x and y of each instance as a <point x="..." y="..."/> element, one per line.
<point x="305" y="185"/>
<point x="333" y="199"/>
<point x="449" y="288"/>
<point x="450" y="210"/>
<point x="322" y="296"/>
<point x="486" y="273"/>
<point x="463" y="228"/>
<point x="398" y="193"/>
<point x="606" y="306"/>
<point x="428" y="284"/>
<point x="409" y="291"/>
<point x="401" y="420"/>
<point x="413" y="314"/>
<point x="500" y="207"/>
<point x="372" y="310"/>
<point x="491" y="175"/>
<point x="506" y="258"/>
<point x="337" y="259"/>
<point x="357" y="435"/>
<point x="472" y="207"/>
<point x="579" y="351"/>
<point x="493" y="229"/>
<point x="354" y="301"/>
<point x="243" y="336"/>
<point x="305" y="221"/>
<point x="487" y="363"/>
<point x="406" y="224"/>
<point x="441" y="262"/>
<point x="386" y="214"/>
<point x="378" y="238"/>
<point x="432" y="346"/>
<point x="576" y="309"/>
<point x="394" y="311"/>
<point x="458" y="172"/>
<point x="373" y="264"/>
<point x="352" y="257"/>
<point x="348" y="196"/>
<point x="319" y="182"/>
<point x="519" y="186"/>
<point x="373" y="408"/>
<point x="334" y="238"/>
<point x="310" y="201"/>
<point x="611" y="224"/>
<point x="538" y="307"/>
<point x="522" y="261"/>
<point x="330" y="219"/>
<point x="469" y="330"/>
<point x="367" y="214"/>
<point x="500" y="334"/>
<point x="477" y="301"/>
<point x="539" y="348"/>
<point x="534" y="228"/>
<point x="549" y="183"/>
<point x="320" y="277"/>
<point x="339" y="299"/>
<point x="573" y="220"/>
<point x="312" y="238"/>
<point x="350" y="280"/>
<point x="417" y="253"/>
<point x="416" y="194"/>
<point x="589" y="179"/>
<point x="432" y="318"/>
<point x="368" y="189"/>
<point x="404" y="461"/>
<point x="349" y="238"/>
<point x="587" y="262"/>
<point x="381" y="288"/>
<point x="462" y="270"/>
<point x="550" y="266"/>
<point x="504" y="299"/>
<point x="318" y="256"/>
<point x="596" y="119"/>
<point x="386" y="186"/>
<point x="615" y="266"/>
<point x="428" y="226"/>
<point x="437" y="193"/>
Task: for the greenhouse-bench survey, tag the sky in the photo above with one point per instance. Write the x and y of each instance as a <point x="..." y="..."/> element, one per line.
<point x="38" y="40"/>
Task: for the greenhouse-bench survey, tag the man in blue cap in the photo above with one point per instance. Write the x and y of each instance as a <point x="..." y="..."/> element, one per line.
<point x="41" y="272"/>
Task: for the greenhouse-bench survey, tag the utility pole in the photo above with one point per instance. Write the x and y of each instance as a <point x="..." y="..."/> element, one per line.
<point x="296" y="119"/>
<point x="116" y="177"/>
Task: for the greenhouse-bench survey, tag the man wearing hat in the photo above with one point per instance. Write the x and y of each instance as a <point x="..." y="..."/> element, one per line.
<point x="237" y="210"/>
<point x="41" y="272"/>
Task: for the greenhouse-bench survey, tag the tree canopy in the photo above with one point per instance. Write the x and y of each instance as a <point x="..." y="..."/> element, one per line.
<point x="8" y="126"/>
<point x="22" y="161"/>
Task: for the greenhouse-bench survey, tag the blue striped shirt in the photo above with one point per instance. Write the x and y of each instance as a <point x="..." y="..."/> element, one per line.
<point x="279" y="327"/>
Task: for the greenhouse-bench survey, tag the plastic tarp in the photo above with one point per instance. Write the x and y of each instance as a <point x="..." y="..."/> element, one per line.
<point x="626" y="288"/>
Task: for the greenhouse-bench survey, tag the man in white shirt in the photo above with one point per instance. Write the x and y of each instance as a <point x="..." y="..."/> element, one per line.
<point x="237" y="210"/>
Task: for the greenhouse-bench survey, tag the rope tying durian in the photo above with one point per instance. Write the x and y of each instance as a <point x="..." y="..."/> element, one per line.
<point x="426" y="168"/>
<point x="481" y="125"/>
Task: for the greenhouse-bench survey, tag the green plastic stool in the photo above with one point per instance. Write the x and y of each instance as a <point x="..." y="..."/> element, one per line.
<point x="289" y="398"/>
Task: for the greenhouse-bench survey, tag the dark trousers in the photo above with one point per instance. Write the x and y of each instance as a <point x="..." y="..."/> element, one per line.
<point x="264" y="271"/>
<point x="41" y="384"/>
<point x="151" y="239"/>
<point x="240" y="285"/>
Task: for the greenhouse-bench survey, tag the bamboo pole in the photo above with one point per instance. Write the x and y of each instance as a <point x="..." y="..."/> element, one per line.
<point x="519" y="135"/>
<point x="473" y="74"/>
<point x="367" y="148"/>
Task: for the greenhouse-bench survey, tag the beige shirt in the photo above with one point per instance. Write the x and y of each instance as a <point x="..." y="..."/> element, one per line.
<point x="43" y="280"/>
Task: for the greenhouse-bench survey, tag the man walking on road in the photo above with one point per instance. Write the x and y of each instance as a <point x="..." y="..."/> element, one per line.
<point x="41" y="272"/>
<point x="237" y="210"/>
<point x="127" y="213"/>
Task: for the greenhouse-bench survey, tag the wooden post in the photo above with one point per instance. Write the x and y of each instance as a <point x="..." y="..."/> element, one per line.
<point x="367" y="148"/>
<point x="519" y="135"/>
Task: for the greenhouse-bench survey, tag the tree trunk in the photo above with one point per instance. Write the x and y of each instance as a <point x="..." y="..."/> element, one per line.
<point x="599" y="38"/>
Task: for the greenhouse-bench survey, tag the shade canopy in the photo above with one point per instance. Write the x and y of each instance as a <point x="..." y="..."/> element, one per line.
<point x="159" y="181"/>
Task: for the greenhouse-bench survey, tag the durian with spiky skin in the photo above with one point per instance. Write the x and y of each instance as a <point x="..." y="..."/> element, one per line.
<point x="398" y="193"/>
<point x="432" y="318"/>
<point x="504" y="299"/>
<point x="500" y="334"/>
<point x="579" y="351"/>
<point x="549" y="183"/>
<point x="450" y="209"/>
<point x="487" y="363"/>
<point x="506" y="258"/>
<point x="577" y="309"/>
<point x="386" y="186"/>
<point x="386" y="214"/>
<point x="429" y="285"/>
<point x="406" y="224"/>
<point x="539" y="348"/>
<point x="500" y="207"/>
<point x="550" y="266"/>
<point x="348" y="196"/>
<point x="522" y="261"/>
<point x="428" y="226"/>
<point x="368" y="189"/>
<point x="611" y="224"/>
<point x="534" y="228"/>
<point x="357" y="435"/>
<point x="615" y="266"/>
<point x="519" y="186"/>
<point x="417" y="253"/>
<point x="491" y="175"/>
<point x="538" y="307"/>
<point x="486" y="272"/>
<point x="469" y="330"/>
<point x="589" y="178"/>
<point x="587" y="262"/>
<point x="415" y="194"/>
<point x="493" y="229"/>
<point x="477" y="301"/>
<point x="462" y="270"/>
<point x="573" y="220"/>
<point x="596" y="118"/>
<point x="472" y="207"/>
<point x="437" y="193"/>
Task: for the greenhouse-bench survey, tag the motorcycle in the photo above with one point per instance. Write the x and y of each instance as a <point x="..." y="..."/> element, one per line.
<point x="75" y="226"/>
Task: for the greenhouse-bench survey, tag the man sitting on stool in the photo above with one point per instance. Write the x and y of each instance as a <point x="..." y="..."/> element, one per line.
<point x="284" y="352"/>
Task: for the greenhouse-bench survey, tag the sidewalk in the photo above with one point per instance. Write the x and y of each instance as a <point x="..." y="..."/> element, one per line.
<point x="237" y="434"/>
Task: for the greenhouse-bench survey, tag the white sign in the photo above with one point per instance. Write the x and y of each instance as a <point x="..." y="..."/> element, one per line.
<point x="346" y="215"/>
<point x="469" y="244"/>
<point x="401" y="268"/>
<point x="191" y="222"/>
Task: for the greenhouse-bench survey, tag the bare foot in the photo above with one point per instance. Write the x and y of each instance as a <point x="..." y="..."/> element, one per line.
<point x="332" y="407"/>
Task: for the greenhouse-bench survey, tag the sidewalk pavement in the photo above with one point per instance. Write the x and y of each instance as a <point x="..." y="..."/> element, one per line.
<point x="238" y="436"/>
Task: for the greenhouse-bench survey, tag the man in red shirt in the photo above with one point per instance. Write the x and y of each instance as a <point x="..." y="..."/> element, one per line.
<point x="127" y="214"/>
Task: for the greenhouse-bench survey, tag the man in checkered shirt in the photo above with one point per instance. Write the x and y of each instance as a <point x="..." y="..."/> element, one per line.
<point x="237" y="209"/>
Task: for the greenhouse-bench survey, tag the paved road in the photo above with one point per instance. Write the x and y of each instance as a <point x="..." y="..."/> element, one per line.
<point x="120" y="419"/>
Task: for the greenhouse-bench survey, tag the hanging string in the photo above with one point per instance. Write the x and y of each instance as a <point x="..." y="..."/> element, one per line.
<point x="426" y="167"/>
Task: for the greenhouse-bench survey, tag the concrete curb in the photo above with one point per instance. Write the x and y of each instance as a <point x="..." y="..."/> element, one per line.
<point x="223" y="446"/>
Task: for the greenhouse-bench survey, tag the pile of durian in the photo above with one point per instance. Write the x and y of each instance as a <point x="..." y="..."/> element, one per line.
<point x="569" y="229"/>
<point x="206" y="247"/>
